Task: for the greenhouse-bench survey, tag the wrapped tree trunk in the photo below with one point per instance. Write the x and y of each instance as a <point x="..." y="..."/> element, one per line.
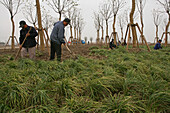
<point x="132" y="24"/>
<point x="40" y="25"/>
<point x="13" y="30"/>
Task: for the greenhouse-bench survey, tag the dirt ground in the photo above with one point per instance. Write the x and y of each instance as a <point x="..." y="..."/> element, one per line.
<point x="77" y="50"/>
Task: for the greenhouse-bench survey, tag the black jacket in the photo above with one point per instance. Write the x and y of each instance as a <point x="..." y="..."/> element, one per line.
<point x="30" y="41"/>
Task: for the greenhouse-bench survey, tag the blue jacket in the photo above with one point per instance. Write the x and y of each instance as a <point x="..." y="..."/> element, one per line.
<point x="158" y="46"/>
<point x="30" y="41"/>
<point x="57" y="34"/>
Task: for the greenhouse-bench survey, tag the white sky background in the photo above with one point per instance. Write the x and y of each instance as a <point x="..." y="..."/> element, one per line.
<point x="87" y="9"/>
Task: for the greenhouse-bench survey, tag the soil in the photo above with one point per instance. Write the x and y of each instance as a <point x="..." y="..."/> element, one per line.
<point x="77" y="50"/>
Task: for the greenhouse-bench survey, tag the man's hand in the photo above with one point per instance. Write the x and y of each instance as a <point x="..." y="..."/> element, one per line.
<point x="20" y="46"/>
<point x="28" y="34"/>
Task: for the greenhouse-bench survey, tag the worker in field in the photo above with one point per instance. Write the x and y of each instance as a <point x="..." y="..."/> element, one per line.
<point x="158" y="45"/>
<point x="57" y="38"/>
<point x="28" y="34"/>
<point x="112" y="45"/>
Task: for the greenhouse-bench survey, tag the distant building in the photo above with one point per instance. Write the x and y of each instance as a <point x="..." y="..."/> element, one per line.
<point x="2" y="43"/>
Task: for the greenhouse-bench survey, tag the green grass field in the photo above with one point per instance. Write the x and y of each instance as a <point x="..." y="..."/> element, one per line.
<point x="122" y="82"/>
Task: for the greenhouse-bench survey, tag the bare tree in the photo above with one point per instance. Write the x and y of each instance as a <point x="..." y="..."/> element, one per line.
<point x="140" y="6"/>
<point x="102" y="29"/>
<point x="80" y="26"/>
<point x="71" y="14"/>
<point x="85" y="38"/>
<point x="157" y="21"/>
<point x="13" y="7"/>
<point x="116" y="6"/>
<point x="97" y="22"/>
<point x="134" y="34"/>
<point x="121" y="24"/>
<point x="106" y="12"/>
<point x="61" y="6"/>
<point x="166" y="5"/>
<point x="30" y="14"/>
<point x="91" y="40"/>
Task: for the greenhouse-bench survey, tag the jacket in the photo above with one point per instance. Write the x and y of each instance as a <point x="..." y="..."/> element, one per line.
<point x="57" y="34"/>
<point x="158" y="46"/>
<point x="30" y="41"/>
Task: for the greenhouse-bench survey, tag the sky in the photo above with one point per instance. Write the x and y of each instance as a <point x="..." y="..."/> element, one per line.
<point x="88" y="7"/>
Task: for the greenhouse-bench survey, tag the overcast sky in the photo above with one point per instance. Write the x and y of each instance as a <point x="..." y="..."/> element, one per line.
<point x="88" y="7"/>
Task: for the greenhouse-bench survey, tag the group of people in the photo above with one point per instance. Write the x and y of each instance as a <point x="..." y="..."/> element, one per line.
<point x="28" y="42"/>
<point x="157" y="45"/>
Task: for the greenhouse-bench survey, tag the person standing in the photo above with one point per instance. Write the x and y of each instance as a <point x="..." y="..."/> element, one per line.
<point x="158" y="45"/>
<point x="29" y="45"/>
<point x="57" y="38"/>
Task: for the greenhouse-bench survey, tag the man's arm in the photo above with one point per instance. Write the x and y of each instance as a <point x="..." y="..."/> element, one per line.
<point x="61" y="34"/>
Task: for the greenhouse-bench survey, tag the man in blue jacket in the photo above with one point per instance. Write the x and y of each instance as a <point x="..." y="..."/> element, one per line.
<point x="57" y="38"/>
<point x="158" y="45"/>
<point x="29" y="45"/>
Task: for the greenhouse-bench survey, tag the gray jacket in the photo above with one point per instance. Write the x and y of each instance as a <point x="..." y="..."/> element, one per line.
<point x="57" y="34"/>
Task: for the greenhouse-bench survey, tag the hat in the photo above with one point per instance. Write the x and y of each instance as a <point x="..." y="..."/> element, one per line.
<point x="67" y="20"/>
<point x="160" y="40"/>
<point x="22" y="23"/>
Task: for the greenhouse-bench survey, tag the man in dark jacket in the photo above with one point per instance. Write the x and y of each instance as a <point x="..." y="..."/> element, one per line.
<point x="158" y="45"/>
<point x="57" y="38"/>
<point x="111" y="45"/>
<point x="29" y="45"/>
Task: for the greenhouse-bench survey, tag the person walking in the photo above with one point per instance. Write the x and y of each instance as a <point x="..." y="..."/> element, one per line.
<point x="29" y="46"/>
<point x="57" y="38"/>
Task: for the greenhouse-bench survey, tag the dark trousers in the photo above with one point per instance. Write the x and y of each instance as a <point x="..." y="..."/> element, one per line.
<point x="55" y="48"/>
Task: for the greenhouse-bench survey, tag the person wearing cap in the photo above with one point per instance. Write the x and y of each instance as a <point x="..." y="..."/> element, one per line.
<point x="158" y="45"/>
<point x="29" y="45"/>
<point x="57" y="38"/>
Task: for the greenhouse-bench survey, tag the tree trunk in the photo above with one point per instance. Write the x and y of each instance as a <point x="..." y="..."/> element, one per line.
<point x="166" y="34"/>
<point x="59" y="16"/>
<point x="98" y="36"/>
<point x="107" y="33"/>
<point x="13" y="30"/>
<point x="156" y="33"/>
<point x="141" y="19"/>
<point x="71" y="32"/>
<point x="114" y="30"/>
<point x="40" y="25"/>
<point x="132" y="24"/>
<point x="102" y="35"/>
<point x="75" y="32"/>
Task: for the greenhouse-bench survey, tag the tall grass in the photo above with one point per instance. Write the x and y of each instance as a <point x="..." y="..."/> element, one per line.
<point x="120" y="82"/>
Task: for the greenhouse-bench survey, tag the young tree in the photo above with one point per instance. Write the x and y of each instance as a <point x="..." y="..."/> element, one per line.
<point x="102" y="29"/>
<point x="71" y="14"/>
<point x="116" y="6"/>
<point x="85" y="38"/>
<point x="106" y="12"/>
<point x="30" y="14"/>
<point x="166" y="5"/>
<point x="140" y="6"/>
<point x="121" y="24"/>
<point x="97" y="22"/>
<point x="157" y="21"/>
<point x="13" y="7"/>
<point x="134" y="34"/>
<point x="80" y="26"/>
<point x="91" y="40"/>
<point x="62" y="6"/>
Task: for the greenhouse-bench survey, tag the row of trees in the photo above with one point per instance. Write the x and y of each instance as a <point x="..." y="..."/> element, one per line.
<point x="111" y="8"/>
<point x="41" y="19"/>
